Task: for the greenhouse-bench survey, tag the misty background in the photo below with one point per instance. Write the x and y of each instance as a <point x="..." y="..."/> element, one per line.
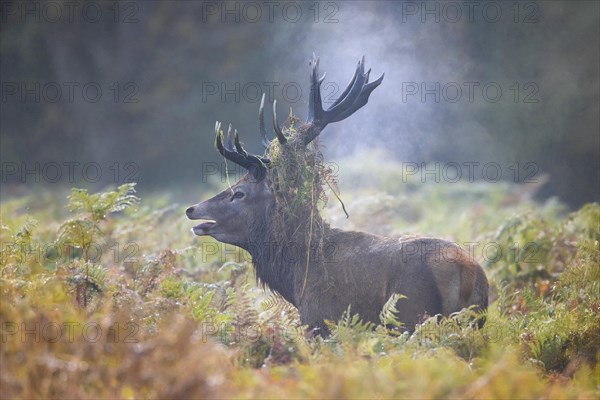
<point x="98" y="93"/>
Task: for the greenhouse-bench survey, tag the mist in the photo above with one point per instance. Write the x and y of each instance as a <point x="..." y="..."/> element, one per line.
<point x="513" y="86"/>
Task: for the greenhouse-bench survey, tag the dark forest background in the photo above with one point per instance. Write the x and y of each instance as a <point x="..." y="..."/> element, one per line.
<point x="168" y="70"/>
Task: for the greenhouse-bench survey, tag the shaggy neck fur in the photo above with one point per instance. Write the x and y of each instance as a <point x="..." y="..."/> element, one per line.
<point x="280" y="261"/>
<point x="286" y="244"/>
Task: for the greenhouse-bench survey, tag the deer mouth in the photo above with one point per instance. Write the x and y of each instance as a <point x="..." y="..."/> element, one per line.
<point x="204" y="227"/>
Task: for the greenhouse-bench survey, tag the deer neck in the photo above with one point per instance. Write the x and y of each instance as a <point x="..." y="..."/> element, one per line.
<point x="281" y="258"/>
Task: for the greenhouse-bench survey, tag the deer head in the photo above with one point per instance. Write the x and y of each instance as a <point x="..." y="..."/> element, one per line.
<point x="240" y="214"/>
<point x="230" y="214"/>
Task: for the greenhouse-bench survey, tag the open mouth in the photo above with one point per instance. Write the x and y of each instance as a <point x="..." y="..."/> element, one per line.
<point x="203" y="227"/>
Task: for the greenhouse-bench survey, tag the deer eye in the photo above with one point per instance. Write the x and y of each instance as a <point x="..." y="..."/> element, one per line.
<point x="237" y="195"/>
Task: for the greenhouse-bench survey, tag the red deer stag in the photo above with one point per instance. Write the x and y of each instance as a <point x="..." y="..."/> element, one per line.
<point x="272" y="212"/>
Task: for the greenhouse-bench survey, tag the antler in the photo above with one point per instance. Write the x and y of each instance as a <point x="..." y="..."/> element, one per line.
<point x="353" y="98"/>
<point x="261" y="124"/>
<point x="233" y="151"/>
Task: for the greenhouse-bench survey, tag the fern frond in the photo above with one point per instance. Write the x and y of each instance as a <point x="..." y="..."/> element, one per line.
<point x="387" y="316"/>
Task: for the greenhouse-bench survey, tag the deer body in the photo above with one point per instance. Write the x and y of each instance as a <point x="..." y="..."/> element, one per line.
<point x="321" y="270"/>
<point x="365" y="270"/>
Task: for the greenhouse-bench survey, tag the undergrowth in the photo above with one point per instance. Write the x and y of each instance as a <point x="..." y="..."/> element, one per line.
<point x="111" y="298"/>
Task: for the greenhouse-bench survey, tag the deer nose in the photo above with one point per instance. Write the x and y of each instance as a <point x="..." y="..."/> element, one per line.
<point x="189" y="212"/>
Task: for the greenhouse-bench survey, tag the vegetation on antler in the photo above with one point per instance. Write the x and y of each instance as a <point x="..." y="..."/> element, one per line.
<point x="297" y="176"/>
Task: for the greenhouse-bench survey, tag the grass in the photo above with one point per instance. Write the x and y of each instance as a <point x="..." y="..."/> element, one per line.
<point x="112" y="297"/>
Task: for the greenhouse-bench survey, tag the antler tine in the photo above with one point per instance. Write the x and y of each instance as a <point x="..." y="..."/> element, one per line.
<point x="322" y="79"/>
<point x="315" y="108"/>
<point x="229" y="139"/>
<point x="347" y="89"/>
<point x="360" y="101"/>
<point x="280" y="136"/>
<point x="238" y="145"/>
<point x="352" y="91"/>
<point x="217" y="127"/>
<point x="240" y="149"/>
<point x="219" y="139"/>
<point x="261" y="122"/>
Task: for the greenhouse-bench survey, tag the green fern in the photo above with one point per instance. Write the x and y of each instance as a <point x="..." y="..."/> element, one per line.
<point x="350" y="327"/>
<point x="20" y="245"/>
<point x="388" y="315"/>
<point x="99" y="205"/>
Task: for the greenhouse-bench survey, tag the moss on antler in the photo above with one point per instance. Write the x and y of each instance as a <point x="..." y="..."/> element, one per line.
<point x="298" y="176"/>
